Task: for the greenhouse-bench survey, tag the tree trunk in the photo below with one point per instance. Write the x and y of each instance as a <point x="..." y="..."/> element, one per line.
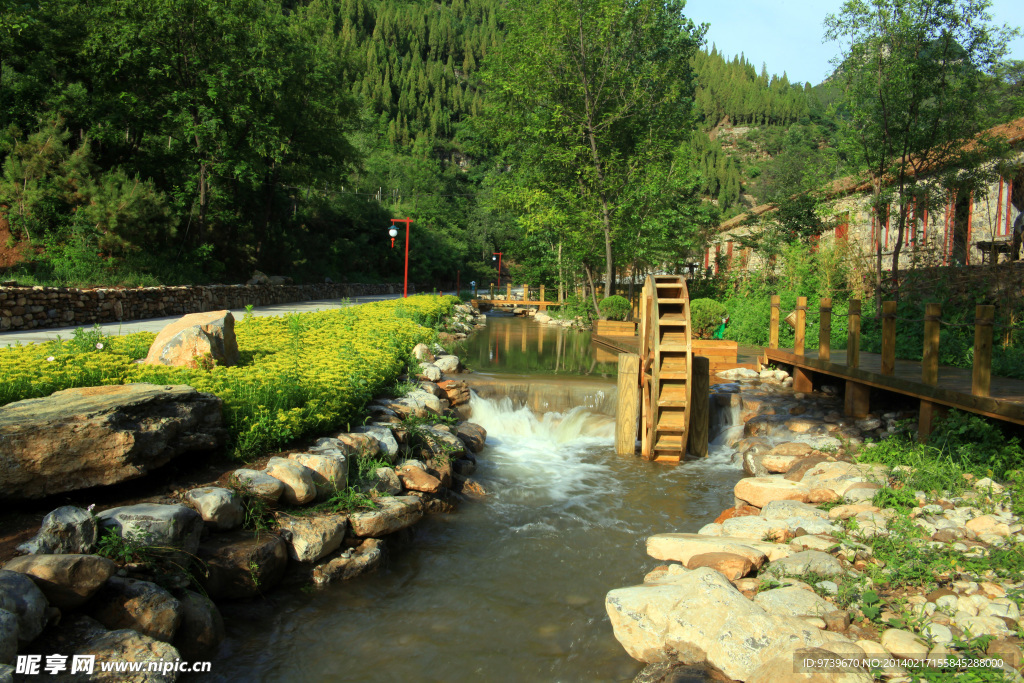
<point x="878" y="249"/>
<point x="561" y="275"/>
<point x="593" y="291"/>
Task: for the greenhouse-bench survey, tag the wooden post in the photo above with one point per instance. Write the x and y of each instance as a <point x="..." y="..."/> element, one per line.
<point x="542" y="293"/>
<point x="492" y="290"/>
<point x="825" y="331"/>
<point x="526" y="292"/>
<point x="627" y="411"/>
<point x="981" y="379"/>
<point x="856" y="401"/>
<point x="853" y="335"/>
<point x="700" y="389"/>
<point x="801" y="325"/>
<point x="508" y="292"/>
<point x="929" y="367"/>
<point x="888" y="337"/>
<point x="773" y="329"/>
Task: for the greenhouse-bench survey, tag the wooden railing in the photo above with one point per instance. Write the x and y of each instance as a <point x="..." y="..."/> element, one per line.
<point x="984" y="316"/>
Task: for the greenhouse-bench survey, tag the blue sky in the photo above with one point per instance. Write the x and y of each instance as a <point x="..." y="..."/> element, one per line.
<point x="787" y="34"/>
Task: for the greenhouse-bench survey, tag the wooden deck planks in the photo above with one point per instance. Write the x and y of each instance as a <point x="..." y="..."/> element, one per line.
<point x="952" y="389"/>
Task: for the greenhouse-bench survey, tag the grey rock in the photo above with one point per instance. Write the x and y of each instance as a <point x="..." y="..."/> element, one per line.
<point x="299" y="487"/>
<point x="788" y="509"/>
<point x="314" y="537"/>
<point x="793" y="601"/>
<point x="393" y="515"/>
<point x="385" y="438"/>
<point x="20" y="596"/>
<point x="806" y="562"/>
<point x="448" y="364"/>
<point x="329" y="471"/>
<point x="241" y="564"/>
<point x="165" y="526"/>
<point x="66" y="530"/>
<point x="260" y="484"/>
<point x="430" y="372"/>
<point x="219" y="507"/>
<point x="8" y="636"/>
<point x="351" y="563"/>
<point x="384" y="480"/>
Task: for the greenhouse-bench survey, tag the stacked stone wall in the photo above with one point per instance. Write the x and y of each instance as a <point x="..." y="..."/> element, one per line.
<point x="26" y="308"/>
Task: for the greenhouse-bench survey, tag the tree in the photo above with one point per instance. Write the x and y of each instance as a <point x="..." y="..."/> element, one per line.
<point x="911" y="72"/>
<point x="586" y="95"/>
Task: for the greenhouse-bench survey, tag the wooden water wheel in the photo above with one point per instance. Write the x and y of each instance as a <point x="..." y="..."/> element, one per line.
<point x="666" y="368"/>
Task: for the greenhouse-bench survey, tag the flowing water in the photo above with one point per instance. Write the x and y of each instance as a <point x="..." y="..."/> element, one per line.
<point x="510" y="588"/>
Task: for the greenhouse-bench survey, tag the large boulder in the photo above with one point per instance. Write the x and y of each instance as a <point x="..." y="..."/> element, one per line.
<point x="195" y="339"/>
<point x="241" y="564"/>
<point x="155" y="525"/>
<point x="682" y="547"/>
<point x="759" y="491"/>
<point x="448" y="364"/>
<point x="793" y="601"/>
<point x="20" y="596"/>
<point x="259" y="484"/>
<point x="473" y="435"/>
<point x="329" y="471"/>
<point x="84" y="636"/>
<point x="67" y="581"/>
<point x="96" y="436"/>
<point x="393" y="515"/>
<point x="698" y="616"/>
<point x="385" y="438"/>
<point x="456" y="391"/>
<point x="139" y="605"/>
<point x="66" y="530"/>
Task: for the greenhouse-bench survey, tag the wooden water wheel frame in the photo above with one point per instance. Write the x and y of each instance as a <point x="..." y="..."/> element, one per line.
<point x="666" y="368"/>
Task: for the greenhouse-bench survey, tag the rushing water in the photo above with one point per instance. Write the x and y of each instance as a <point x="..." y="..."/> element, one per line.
<point x="510" y="588"/>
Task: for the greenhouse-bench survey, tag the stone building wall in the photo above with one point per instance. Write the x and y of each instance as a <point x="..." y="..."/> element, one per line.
<point x="26" y="308"/>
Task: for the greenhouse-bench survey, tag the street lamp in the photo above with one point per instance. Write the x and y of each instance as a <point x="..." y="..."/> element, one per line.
<point x="393" y="231"/>
<point x="497" y="257"/>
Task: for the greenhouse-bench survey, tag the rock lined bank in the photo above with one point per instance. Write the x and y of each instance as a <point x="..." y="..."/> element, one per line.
<point x="807" y="564"/>
<point x="140" y="582"/>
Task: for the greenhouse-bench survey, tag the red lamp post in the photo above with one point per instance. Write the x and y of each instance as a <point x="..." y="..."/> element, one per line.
<point x="498" y="254"/>
<point x="393" y="231"/>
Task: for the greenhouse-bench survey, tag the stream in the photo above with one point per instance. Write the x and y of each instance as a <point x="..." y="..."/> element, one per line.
<point x="510" y="588"/>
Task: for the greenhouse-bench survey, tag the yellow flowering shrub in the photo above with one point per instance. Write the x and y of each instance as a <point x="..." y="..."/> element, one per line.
<point x="299" y="374"/>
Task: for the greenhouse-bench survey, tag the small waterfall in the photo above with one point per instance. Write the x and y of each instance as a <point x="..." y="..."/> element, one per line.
<point x="548" y="394"/>
<point x="726" y="428"/>
<point x="502" y="418"/>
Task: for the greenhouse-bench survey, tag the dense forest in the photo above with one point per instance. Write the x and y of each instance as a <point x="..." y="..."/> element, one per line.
<point x="197" y="140"/>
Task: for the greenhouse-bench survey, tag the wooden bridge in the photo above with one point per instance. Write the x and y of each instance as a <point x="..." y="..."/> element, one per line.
<point x="935" y="387"/>
<point x="509" y="302"/>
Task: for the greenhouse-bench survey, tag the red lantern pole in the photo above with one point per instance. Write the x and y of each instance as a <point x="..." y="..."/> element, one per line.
<point x="408" y="222"/>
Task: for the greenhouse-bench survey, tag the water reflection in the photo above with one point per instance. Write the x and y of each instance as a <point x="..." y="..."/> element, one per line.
<point x="518" y="345"/>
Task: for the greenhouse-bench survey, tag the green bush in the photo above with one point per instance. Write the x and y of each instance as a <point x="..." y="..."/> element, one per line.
<point x="705" y="316"/>
<point x="614" y="308"/>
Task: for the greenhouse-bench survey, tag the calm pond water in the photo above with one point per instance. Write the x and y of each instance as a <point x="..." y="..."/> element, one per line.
<point x="510" y="588"/>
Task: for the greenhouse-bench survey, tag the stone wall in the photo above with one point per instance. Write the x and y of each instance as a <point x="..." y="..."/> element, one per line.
<point x="26" y="308"/>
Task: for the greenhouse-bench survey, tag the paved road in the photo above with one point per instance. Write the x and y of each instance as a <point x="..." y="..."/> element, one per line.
<point x="156" y="324"/>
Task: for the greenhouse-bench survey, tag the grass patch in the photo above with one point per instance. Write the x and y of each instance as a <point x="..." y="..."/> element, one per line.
<point x="300" y="375"/>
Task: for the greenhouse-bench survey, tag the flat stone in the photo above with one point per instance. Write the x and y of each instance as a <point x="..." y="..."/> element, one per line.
<point x="299" y="487"/>
<point x="900" y="642"/>
<point x="359" y="444"/>
<point x="799" y="468"/>
<point x="792" y="449"/>
<point x="140" y="606"/>
<point x="449" y="364"/>
<point x="741" y="511"/>
<point x="393" y="515"/>
<point x="415" y="479"/>
<point x="681" y="547"/>
<point x="793" y="601"/>
<point x="98" y="436"/>
<point x="730" y="565"/>
<point x="812" y="542"/>
<point x="847" y="511"/>
<point x="364" y="558"/>
<point x="806" y="562"/>
<point x="789" y="509"/>
<point x="259" y="484"/>
<point x="761" y="491"/>
<point x="220" y="508"/>
<point x="983" y="626"/>
<point x="986" y="524"/>
<point x="777" y="464"/>
<point x="313" y="537"/>
<point x="696" y="615"/>
<point x="67" y="581"/>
